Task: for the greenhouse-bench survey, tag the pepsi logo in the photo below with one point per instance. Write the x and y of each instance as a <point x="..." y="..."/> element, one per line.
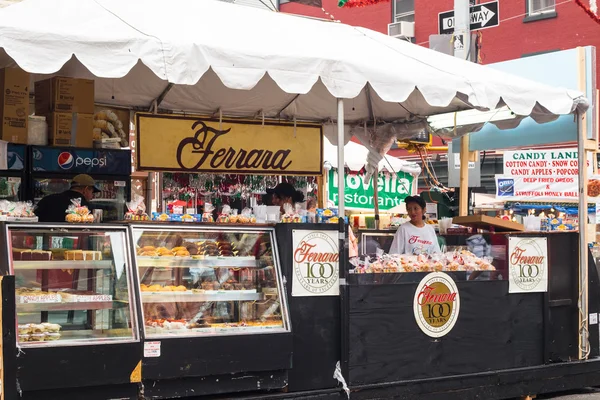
<point x="66" y="160"/>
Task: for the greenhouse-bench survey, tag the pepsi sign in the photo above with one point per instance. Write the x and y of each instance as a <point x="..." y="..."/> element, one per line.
<point x="66" y="160"/>
<point x="81" y="161"/>
<point x="505" y="187"/>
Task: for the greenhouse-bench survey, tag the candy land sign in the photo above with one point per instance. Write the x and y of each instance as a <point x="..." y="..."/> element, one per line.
<point x="540" y="174"/>
<point x="316" y="263"/>
<point x="393" y="188"/>
<point x="527" y="264"/>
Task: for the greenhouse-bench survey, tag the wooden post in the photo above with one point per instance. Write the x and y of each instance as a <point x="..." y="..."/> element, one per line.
<point x="584" y="146"/>
<point x="321" y="197"/>
<point x="463" y="209"/>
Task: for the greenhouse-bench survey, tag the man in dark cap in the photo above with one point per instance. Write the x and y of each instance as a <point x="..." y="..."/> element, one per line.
<point x="52" y="208"/>
<point x="285" y="193"/>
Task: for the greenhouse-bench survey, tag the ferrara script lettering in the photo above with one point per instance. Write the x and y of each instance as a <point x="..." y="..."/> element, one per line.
<point x="206" y="151"/>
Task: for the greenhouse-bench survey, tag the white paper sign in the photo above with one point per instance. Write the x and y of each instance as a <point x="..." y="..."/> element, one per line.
<point x="540" y="175"/>
<point x="594" y="319"/>
<point x="316" y="263"/>
<point x="527" y="264"/>
<point x="151" y="349"/>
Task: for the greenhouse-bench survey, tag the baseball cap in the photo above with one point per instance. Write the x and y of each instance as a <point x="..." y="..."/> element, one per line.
<point x="83" y="180"/>
<point x="416" y="199"/>
<point x="283" y="190"/>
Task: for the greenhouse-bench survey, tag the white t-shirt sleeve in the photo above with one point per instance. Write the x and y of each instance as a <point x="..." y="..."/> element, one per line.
<point x="397" y="246"/>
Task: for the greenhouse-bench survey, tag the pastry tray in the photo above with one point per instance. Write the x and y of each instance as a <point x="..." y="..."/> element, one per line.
<point x="188" y="262"/>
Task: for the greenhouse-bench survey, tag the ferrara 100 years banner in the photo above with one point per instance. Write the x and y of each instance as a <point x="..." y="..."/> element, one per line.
<point x="192" y="144"/>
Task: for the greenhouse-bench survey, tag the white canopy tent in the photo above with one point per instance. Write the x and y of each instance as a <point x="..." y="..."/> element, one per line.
<point x="355" y="157"/>
<point x="216" y="58"/>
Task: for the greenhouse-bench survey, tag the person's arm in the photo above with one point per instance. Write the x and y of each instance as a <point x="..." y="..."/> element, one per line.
<point x="41" y="209"/>
<point x="436" y="244"/>
<point x="397" y="246"/>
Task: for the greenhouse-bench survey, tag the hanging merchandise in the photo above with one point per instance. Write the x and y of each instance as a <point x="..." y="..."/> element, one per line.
<point x="591" y="11"/>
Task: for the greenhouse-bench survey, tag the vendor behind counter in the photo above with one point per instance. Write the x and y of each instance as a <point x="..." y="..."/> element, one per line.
<point x="52" y="208"/>
<point x="415" y="236"/>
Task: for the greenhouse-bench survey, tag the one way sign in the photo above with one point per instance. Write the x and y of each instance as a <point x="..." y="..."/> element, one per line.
<point x="483" y="16"/>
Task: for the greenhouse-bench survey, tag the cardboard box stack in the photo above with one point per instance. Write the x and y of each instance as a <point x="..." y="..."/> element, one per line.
<point x="14" y="105"/>
<point x="68" y="105"/>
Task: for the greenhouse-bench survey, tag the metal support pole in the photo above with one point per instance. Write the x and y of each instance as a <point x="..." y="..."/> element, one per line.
<point x="376" y="197"/>
<point x="342" y="242"/>
<point x="583" y="246"/>
<point x="462" y="33"/>
<point x="341" y="162"/>
<point x="463" y="200"/>
<point x="462" y="46"/>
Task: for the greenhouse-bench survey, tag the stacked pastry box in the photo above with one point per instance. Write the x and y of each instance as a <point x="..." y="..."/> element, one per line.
<point x="44" y="332"/>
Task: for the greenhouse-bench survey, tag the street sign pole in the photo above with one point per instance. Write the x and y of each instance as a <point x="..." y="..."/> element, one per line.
<point x="462" y="46"/>
<point x="481" y="16"/>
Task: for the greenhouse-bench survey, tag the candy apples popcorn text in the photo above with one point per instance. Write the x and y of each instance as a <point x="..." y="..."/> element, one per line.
<point x="391" y="263"/>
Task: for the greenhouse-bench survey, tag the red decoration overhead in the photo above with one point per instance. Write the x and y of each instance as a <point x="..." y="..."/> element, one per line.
<point x="359" y="3"/>
<point x="588" y="11"/>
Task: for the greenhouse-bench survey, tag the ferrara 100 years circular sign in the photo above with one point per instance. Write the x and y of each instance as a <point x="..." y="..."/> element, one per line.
<point x="436" y="304"/>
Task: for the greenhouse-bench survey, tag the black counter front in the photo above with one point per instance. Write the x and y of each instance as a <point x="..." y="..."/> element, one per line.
<point x="495" y="331"/>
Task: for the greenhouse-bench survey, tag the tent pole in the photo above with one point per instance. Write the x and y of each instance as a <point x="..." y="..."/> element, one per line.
<point x="376" y="196"/>
<point x="463" y="199"/>
<point x="583" y="247"/>
<point x="341" y="161"/>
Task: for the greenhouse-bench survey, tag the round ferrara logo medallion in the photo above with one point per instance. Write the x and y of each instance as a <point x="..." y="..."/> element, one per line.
<point x="436" y="304"/>
<point x="527" y="263"/>
<point x="317" y="262"/>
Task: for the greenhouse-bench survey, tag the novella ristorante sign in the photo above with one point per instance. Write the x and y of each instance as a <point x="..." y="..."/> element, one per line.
<point x="192" y="144"/>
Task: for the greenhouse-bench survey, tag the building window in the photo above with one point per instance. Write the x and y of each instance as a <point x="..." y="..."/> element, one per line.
<point x="541" y="6"/>
<point x="404" y="10"/>
<point x="540" y="9"/>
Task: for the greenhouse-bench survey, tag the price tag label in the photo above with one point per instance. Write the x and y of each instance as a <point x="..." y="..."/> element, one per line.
<point x="151" y="349"/>
<point x="120" y="184"/>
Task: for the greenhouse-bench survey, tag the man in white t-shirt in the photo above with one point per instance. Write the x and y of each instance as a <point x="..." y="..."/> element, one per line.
<point x="415" y="236"/>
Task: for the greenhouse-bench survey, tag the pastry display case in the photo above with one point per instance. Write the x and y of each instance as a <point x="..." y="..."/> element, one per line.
<point x="209" y="280"/>
<point x="73" y="284"/>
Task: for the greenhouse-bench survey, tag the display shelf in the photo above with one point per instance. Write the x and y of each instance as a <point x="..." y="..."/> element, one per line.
<point x="73" y="306"/>
<point x="208" y="262"/>
<point x="191" y="297"/>
<point x="63" y="264"/>
<point x="209" y="331"/>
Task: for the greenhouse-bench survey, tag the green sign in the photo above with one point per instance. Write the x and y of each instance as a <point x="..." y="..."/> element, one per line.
<point x="392" y="190"/>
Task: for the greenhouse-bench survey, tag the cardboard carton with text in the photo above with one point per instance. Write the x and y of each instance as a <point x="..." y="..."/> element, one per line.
<point x="70" y="129"/>
<point x="14" y="105"/>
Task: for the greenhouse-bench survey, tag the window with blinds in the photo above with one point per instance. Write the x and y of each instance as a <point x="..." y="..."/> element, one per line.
<point x="541" y="6"/>
<point x="404" y="10"/>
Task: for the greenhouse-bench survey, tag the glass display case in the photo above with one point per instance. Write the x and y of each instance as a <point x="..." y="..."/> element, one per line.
<point x="209" y="280"/>
<point x="374" y="241"/>
<point x="73" y="284"/>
